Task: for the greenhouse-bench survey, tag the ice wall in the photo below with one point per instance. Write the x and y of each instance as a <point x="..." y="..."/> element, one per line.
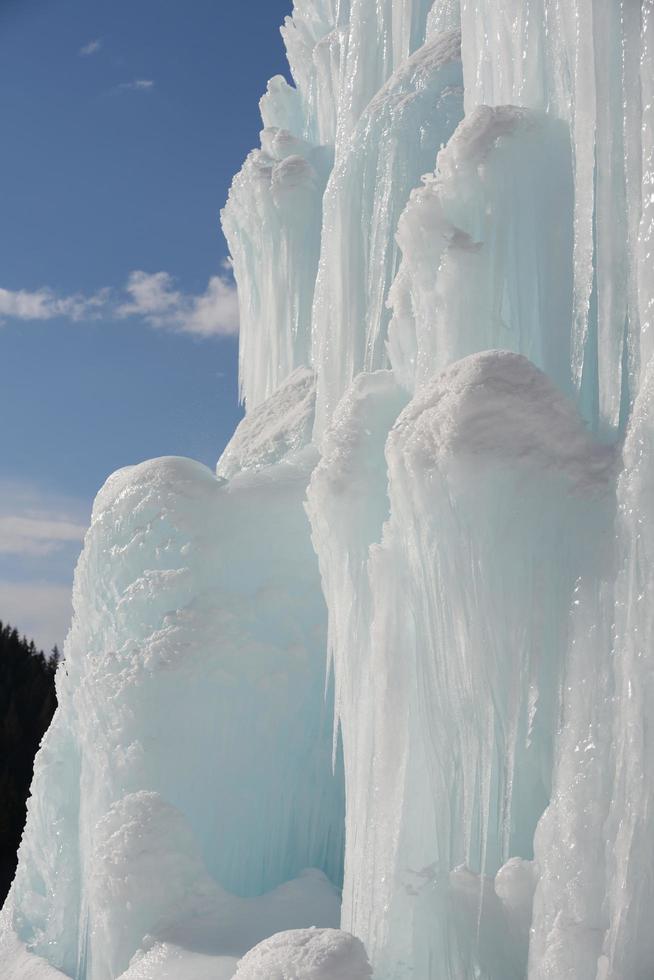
<point x="421" y="576"/>
<point x="496" y="665"/>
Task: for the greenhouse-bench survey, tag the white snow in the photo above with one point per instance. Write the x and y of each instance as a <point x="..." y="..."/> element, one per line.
<point x="17" y="962"/>
<point x="164" y="961"/>
<point x="498" y="405"/>
<point x="306" y="954"/>
<point x="280" y="426"/>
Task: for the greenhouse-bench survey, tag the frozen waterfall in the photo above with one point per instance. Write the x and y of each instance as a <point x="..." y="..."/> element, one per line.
<point x="377" y="697"/>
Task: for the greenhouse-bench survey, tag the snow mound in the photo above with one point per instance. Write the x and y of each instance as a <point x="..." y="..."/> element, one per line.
<point x="279" y="426"/>
<point x="165" y="961"/>
<point x="498" y="405"/>
<point x="152" y="893"/>
<point x="306" y="954"/>
<point x="147" y="873"/>
<point x="17" y="962"/>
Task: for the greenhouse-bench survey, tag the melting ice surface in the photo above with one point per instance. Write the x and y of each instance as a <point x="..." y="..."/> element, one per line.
<point x="376" y="698"/>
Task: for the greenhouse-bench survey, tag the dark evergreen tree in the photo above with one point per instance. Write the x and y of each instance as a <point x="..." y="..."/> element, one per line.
<point x="27" y="703"/>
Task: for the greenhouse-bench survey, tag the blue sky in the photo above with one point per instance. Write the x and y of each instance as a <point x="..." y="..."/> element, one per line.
<point x="123" y="124"/>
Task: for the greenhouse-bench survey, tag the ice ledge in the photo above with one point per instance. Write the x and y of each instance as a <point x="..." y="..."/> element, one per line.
<point x="278" y="427"/>
<point x="497" y="404"/>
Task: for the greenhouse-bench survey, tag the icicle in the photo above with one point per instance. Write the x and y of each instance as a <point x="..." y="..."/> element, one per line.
<point x="272" y="224"/>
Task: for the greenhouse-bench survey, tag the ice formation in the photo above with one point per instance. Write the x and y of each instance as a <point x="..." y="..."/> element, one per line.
<point x="309" y="954"/>
<point x="389" y="668"/>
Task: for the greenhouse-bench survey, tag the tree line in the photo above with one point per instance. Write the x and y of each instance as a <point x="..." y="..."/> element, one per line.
<point x="27" y="704"/>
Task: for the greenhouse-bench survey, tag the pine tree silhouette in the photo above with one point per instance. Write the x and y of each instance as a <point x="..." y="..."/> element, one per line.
<point x="27" y="704"/>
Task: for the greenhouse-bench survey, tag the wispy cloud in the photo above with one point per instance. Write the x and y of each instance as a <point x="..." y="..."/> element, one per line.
<point x="138" y="85"/>
<point x="37" y="535"/>
<point x="41" y="535"/>
<point x="153" y="298"/>
<point x="34" y="522"/>
<point x="91" y="48"/>
<point x="44" y="304"/>
<point x="40" y="610"/>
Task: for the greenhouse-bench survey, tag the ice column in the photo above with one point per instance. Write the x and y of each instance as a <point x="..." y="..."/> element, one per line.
<point x="347" y="506"/>
<point x="272" y="224"/>
<point x="393" y="144"/>
<point x="580" y="60"/>
<point x="629" y="943"/>
<point x="489" y="474"/>
<point x="486" y="248"/>
<point x="195" y="671"/>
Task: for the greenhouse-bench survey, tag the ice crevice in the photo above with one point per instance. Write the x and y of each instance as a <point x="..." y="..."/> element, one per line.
<point x="374" y="698"/>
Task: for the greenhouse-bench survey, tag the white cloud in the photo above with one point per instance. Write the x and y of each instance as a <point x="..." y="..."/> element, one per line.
<point x="154" y="298"/>
<point x="216" y="311"/>
<point x="138" y="85"/>
<point x="35" y="523"/>
<point x="37" y="534"/>
<point x="40" y="610"/>
<point x="91" y="48"/>
<point x="44" y="304"/>
<point x="40" y="538"/>
<point x="150" y="297"/>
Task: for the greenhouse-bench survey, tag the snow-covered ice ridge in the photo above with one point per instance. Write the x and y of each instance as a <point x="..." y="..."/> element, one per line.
<point x="377" y="698"/>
